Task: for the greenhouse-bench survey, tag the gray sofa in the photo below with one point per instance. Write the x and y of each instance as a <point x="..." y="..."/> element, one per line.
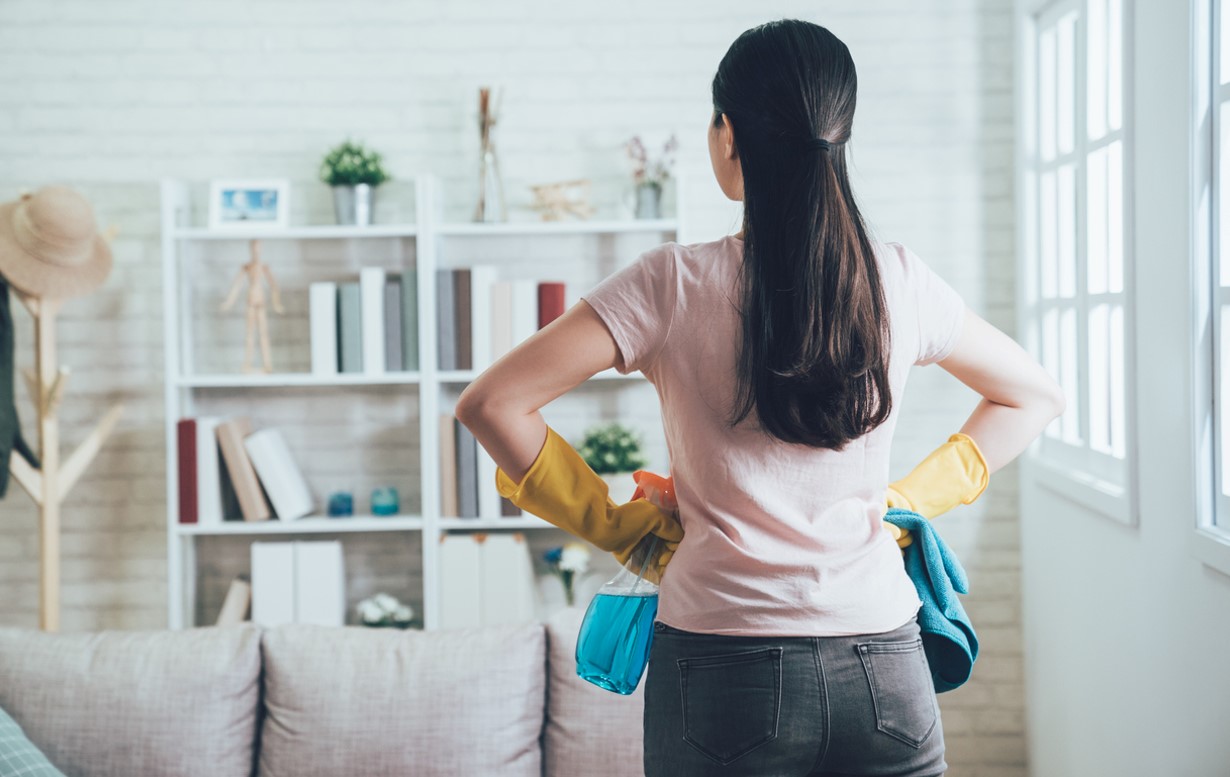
<point x="296" y="701"/>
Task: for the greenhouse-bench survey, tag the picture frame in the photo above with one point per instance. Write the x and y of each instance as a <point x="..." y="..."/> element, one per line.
<point x="244" y="203"/>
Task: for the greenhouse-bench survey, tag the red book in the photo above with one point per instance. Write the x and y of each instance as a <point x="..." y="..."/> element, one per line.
<point x="550" y="302"/>
<point x="185" y="432"/>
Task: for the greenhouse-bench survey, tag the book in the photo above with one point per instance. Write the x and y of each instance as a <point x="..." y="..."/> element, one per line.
<point x="275" y="466"/>
<point x="273" y="583"/>
<point x="446" y="323"/>
<point x="235" y="605"/>
<point x="482" y="278"/>
<point x="507" y="583"/>
<point x="501" y="319"/>
<point x="349" y="328"/>
<point x="524" y="311"/>
<point x="467" y="471"/>
<point x="208" y="472"/>
<point x="462" y="282"/>
<point x="392" y="325"/>
<point x="186" y="451"/>
<point x="550" y="302"/>
<point x="320" y="583"/>
<point x="488" y="494"/>
<point x="371" y="307"/>
<point x="322" y="315"/>
<point x="448" y="467"/>
<point x="410" y="320"/>
<point x="460" y="582"/>
<point x="252" y="502"/>
<point x="231" y="511"/>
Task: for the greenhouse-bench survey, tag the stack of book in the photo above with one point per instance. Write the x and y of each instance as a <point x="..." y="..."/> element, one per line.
<point x="298" y="582"/>
<point x="229" y="472"/>
<point x="368" y="326"/>
<point x="480" y="318"/>
<point x="467" y="475"/>
<point x="485" y="579"/>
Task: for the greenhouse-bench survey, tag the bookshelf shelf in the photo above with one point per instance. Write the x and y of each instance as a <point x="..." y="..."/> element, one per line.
<point x="278" y="380"/>
<point x="306" y="232"/>
<point x="383" y="431"/>
<point x="308" y="525"/>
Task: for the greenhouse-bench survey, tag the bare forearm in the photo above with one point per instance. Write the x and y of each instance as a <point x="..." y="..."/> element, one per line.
<point x="1003" y="432"/>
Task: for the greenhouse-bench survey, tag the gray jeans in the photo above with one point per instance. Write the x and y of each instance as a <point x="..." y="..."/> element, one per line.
<point x="797" y="706"/>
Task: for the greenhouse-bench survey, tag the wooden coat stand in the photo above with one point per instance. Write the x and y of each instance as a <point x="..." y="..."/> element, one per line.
<point x="49" y="485"/>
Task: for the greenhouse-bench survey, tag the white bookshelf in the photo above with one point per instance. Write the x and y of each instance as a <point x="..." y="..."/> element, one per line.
<point x="193" y="383"/>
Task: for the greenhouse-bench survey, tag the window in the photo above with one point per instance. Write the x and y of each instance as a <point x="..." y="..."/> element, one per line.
<point x="1077" y="273"/>
<point x="1212" y="243"/>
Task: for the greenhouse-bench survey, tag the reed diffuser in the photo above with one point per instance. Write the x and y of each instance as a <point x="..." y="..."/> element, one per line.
<point x="490" y="188"/>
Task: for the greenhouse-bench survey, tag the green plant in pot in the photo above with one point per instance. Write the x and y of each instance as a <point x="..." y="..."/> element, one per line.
<point x="354" y="172"/>
<point x="614" y="452"/>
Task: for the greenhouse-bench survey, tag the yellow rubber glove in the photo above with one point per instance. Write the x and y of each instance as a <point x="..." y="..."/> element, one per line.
<point x="952" y="474"/>
<point x="564" y="491"/>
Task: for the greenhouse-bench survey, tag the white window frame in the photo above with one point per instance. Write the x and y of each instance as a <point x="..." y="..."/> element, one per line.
<point x="1210" y="539"/>
<point x="1097" y="481"/>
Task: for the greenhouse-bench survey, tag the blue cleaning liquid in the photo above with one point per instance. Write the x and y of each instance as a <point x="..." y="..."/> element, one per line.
<point x="613" y="646"/>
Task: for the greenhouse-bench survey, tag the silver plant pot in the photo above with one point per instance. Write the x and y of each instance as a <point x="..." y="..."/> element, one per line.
<point x="354" y="204"/>
<point x="649" y="201"/>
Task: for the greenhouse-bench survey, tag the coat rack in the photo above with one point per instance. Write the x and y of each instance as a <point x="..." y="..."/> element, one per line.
<point x="49" y="485"/>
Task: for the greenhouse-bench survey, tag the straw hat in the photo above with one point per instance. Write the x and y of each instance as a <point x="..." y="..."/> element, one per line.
<point x="50" y="246"/>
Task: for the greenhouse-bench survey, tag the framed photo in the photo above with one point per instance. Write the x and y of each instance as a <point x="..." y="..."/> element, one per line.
<point x="247" y="203"/>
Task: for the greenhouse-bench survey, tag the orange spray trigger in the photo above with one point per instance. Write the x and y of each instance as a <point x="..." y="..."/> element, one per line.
<point x="657" y="489"/>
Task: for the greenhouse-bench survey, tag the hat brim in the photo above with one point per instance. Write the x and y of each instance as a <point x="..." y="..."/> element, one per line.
<point x="41" y="279"/>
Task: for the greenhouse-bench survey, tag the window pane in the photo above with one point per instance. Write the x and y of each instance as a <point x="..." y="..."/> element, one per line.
<point x="1046" y="94"/>
<point x="1223" y="395"/>
<point x="1114" y="64"/>
<point x="1066" y="74"/>
<point x="1095" y="72"/>
<point x="1099" y="378"/>
<point x="1223" y="183"/>
<point x="1118" y="385"/>
<point x="1050" y="358"/>
<point x="1048" y="244"/>
<point x="1115" y="219"/>
<point x="1067" y="230"/>
<point x="1224" y="48"/>
<point x="1095" y="197"/>
<point x="1068" y="376"/>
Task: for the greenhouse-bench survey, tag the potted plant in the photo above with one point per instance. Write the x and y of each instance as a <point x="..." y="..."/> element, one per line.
<point x="354" y="172"/>
<point x="614" y="452"/>
<point x="568" y="562"/>
<point x="650" y="175"/>
<point x="384" y="611"/>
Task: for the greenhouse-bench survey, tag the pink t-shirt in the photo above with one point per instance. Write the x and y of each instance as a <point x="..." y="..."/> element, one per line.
<point x="779" y="538"/>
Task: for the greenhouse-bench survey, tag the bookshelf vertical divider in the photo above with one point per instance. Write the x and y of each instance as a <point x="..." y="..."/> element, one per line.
<point x="181" y="381"/>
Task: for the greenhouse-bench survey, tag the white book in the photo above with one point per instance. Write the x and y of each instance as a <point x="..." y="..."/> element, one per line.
<point x="208" y="472"/>
<point x="507" y="579"/>
<point x="524" y="310"/>
<point x="482" y="278"/>
<point x="235" y="606"/>
<point x="501" y="319"/>
<point x="322" y="313"/>
<point x="273" y="583"/>
<point x="371" y="307"/>
<point x="460" y="599"/>
<point x="320" y="583"/>
<point x="288" y="491"/>
<point x="488" y="494"/>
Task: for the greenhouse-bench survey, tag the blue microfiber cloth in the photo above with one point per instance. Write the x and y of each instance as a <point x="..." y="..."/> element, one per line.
<point x="948" y="637"/>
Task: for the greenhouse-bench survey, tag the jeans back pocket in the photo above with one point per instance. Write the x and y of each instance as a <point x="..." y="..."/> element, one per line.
<point x="731" y="702"/>
<point x="901" y="689"/>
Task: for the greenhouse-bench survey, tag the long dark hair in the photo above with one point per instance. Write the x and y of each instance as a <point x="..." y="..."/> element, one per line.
<point x="813" y="360"/>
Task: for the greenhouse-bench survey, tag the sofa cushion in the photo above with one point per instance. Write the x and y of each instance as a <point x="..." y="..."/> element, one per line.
<point x="136" y="703"/>
<point x="18" y="755"/>
<point x="352" y="700"/>
<point x="589" y="730"/>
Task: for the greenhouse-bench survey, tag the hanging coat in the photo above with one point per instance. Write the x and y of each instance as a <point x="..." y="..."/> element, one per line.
<point x="10" y="428"/>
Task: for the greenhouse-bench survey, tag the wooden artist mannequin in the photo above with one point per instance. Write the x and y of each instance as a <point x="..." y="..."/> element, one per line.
<point x="257" y="273"/>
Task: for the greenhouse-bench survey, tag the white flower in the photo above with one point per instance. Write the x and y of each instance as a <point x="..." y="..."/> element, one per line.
<point x="386" y="602"/>
<point x="403" y="613"/>
<point x="370" y="611"/>
<point x="574" y="558"/>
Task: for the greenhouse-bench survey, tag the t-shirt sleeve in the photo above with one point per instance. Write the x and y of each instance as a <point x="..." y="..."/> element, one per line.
<point x="940" y="309"/>
<point x="637" y="304"/>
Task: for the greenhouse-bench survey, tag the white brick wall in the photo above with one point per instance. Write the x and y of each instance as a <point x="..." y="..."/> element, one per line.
<point x="111" y="96"/>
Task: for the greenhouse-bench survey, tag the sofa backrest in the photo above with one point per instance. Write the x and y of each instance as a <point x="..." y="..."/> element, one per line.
<point x="123" y="704"/>
<point x="364" y="701"/>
